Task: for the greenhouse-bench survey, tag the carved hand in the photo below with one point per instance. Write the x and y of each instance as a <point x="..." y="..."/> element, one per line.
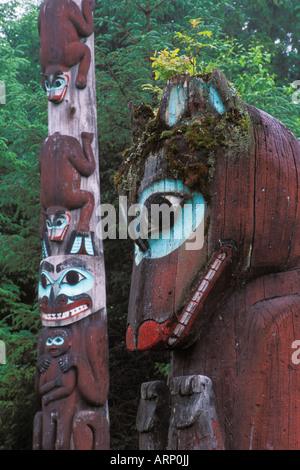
<point x="43" y="363"/>
<point x="66" y="363"/>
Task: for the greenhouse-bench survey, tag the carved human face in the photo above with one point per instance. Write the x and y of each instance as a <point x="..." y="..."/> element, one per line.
<point x="69" y="289"/>
<point x="56" y="86"/>
<point x="57" y="342"/>
<point x="57" y="225"/>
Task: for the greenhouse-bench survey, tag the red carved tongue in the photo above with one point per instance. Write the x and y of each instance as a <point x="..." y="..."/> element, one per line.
<point x="154" y="335"/>
<point x="151" y="335"/>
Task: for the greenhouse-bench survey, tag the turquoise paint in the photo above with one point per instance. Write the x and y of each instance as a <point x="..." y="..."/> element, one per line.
<point x="175" y="109"/>
<point x="178" y="97"/>
<point x="190" y="218"/>
<point x="62" y="286"/>
<point x="215" y="100"/>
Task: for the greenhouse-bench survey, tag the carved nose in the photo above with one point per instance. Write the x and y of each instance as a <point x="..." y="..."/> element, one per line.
<point x="53" y="294"/>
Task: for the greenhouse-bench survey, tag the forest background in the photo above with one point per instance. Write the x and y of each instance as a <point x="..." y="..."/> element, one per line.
<point x="255" y="43"/>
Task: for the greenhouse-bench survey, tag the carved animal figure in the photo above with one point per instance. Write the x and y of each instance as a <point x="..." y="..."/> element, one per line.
<point x="229" y="309"/>
<point x="61" y="24"/>
<point x="72" y="386"/>
<point x="56" y="387"/>
<point x="62" y="163"/>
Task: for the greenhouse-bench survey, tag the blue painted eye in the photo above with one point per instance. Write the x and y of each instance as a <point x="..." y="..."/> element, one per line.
<point x="44" y="281"/>
<point x="47" y="86"/>
<point x="58" y="340"/>
<point x="72" y="278"/>
<point x="59" y="83"/>
<point x="181" y="219"/>
<point x="49" y="224"/>
<point x="60" y="223"/>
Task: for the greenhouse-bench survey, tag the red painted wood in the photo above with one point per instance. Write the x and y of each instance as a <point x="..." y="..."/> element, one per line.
<point x="245" y="329"/>
<point x="247" y="353"/>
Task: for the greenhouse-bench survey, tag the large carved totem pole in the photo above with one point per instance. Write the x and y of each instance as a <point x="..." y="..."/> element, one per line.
<point x="220" y="291"/>
<point x="72" y="368"/>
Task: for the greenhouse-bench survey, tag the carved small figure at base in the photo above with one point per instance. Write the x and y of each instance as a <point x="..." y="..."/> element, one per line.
<point x="194" y="424"/>
<point x="56" y="387"/>
<point x="72" y="387"/>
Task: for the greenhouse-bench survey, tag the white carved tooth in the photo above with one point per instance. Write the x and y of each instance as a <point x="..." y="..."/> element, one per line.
<point x="172" y="340"/>
<point x="178" y="330"/>
<point x="210" y="274"/>
<point x="197" y="296"/>
<point x="216" y="264"/>
<point x="185" y="318"/>
<point x="191" y="306"/>
<point x="203" y="286"/>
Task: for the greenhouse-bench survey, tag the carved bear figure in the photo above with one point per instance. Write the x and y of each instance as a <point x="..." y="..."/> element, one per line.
<point x="61" y="24"/>
<point x="62" y="163"/>
<point x="228" y="308"/>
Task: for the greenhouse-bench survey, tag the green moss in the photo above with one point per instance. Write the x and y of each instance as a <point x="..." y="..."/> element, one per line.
<point x="190" y="149"/>
<point x="166" y="135"/>
<point x="143" y="110"/>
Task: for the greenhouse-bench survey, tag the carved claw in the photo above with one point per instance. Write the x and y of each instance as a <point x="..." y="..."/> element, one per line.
<point x="43" y="363"/>
<point x="88" y="136"/>
<point x="66" y="363"/>
<point x="83" y="229"/>
<point x="80" y="85"/>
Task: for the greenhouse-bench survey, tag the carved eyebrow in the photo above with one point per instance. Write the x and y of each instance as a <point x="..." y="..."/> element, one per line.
<point x="46" y="266"/>
<point x="72" y="262"/>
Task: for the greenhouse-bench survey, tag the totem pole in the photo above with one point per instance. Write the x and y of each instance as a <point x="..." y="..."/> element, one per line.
<point x="72" y="367"/>
<point x="223" y="297"/>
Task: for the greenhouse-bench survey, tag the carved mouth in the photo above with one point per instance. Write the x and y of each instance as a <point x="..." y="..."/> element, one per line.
<point x="68" y="311"/>
<point x="171" y="333"/>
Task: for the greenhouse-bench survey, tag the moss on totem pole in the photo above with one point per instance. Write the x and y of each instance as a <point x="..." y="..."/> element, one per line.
<point x="189" y="150"/>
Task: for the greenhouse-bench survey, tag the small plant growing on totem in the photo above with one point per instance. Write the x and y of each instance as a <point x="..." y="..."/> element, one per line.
<point x="167" y="63"/>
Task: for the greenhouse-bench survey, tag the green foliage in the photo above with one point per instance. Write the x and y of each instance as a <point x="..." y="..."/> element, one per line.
<point x="23" y="124"/>
<point x="250" y="69"/>
<point x="168" y="63"/>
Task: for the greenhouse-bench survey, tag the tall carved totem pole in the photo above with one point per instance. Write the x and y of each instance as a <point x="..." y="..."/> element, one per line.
<point x="223" y="297"/>
<point x="72" y="369"/>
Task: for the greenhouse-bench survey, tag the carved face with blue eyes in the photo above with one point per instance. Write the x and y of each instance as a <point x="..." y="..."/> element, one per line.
<point x="168" y="215"/>
<point x="193" y="158"/>
<point x="58" y="342"/>
<point x="65" y="290"/>
<point x="56" y="86"/>
<point x="170" y="245"/>
<point x="57" y="225"/>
